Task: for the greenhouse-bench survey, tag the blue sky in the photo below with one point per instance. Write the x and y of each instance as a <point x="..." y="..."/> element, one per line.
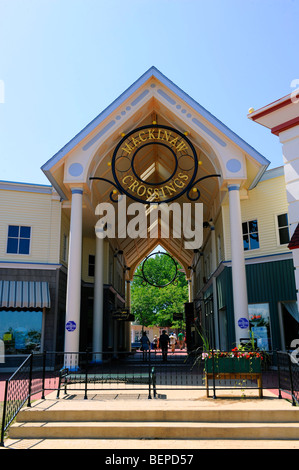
<point x="63" y="61"/>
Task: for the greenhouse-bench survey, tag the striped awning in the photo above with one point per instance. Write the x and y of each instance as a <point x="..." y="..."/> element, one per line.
<point x="24" y="294"/>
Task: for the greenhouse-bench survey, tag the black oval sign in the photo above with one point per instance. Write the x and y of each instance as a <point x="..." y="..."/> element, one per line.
<point x="154" y="164"/>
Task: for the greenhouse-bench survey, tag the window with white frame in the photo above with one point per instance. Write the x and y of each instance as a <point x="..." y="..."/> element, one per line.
<point x="283" y="229"/>
<point x="250" y="235"/>
<point x="18" y="239"/>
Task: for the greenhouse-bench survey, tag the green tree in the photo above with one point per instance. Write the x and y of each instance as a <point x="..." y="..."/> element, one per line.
<point x="155" y="305"/>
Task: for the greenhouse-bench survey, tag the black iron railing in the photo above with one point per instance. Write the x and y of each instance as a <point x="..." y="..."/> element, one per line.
<point x="288" y="375"/>
<point x="88" y="373"/>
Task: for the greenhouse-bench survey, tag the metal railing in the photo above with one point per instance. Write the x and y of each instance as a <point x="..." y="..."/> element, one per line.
<point x="18" y="390"/>
<point x="288" y="375"/>
<point x="89" y="373"/>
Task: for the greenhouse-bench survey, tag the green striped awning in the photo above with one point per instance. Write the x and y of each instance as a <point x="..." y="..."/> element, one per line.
<point x="24" y="294"/>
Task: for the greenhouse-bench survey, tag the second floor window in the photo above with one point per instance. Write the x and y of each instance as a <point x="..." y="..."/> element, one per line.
<point x="18" y="240"/>
<point x="250" y="235"/>
<point x="283" y="229"/>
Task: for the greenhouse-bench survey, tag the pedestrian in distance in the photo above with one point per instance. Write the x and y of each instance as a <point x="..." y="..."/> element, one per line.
<point x="181" y="340"/>
<point x="172" y="341"/>
<point x="155" y="343"/>
<point x="145" y="345"/>
<point x="163" y="343"/>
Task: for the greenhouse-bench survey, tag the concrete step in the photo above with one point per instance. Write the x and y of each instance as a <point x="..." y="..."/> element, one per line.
<point x="153" y="430"/>
<point x="161" y="415"/>
<point x="159" y="422"/>
<point x="171" y="445"/>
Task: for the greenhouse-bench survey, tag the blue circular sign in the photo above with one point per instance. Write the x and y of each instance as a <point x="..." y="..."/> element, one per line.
<point x="243" y="323"/>
<point x="70" y="326"/>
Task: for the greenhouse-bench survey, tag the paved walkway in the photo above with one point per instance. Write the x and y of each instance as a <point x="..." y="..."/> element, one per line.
<point x="174" y="399"/>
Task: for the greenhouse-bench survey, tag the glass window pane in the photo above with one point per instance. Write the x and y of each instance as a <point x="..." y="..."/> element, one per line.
<point x="21" y="331"/>
<point x="282" y="220"/>
<point x="284" y="235"/>
<point x="13" y="231"/>
<point x="25" y="232"/>
<point x="259" y="317"/>
<point x="12" y="245"/>
<point x="24" y="246"/>
<point x="244" y="228"/>
<point x="246" y="242"/>
<point x="253" y="226"/>
<point x="254" y="241"/>
<point x="91" y="270"/>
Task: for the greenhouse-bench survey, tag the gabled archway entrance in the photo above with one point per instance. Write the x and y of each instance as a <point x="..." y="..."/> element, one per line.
<point x="169" y="148"/>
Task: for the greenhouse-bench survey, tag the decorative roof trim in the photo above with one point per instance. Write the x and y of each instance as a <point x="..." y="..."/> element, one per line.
<point x="152" y="72"/>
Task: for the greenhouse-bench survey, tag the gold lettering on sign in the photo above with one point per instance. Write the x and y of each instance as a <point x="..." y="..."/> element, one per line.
<point x="135" y="141"/>
<point x="161" y="135"/>
<point x="142" y="132"/>
<point x="167" y="190"/>
<point x="124" y="179"/>
<point x="133" y="186"/>
<point x="155" y="135"/>
<point x="181" y="146"/>
<point x="128" y="149"/>
<point x="151" y="134"/>
<point x="167" y="136"/>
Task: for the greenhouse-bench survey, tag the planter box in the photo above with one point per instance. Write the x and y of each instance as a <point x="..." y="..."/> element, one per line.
<point x="233" y="365"/>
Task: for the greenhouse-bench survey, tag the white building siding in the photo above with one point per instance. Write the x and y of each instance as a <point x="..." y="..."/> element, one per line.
<point x="41" y="212"/>
<point x="264" y="203"/>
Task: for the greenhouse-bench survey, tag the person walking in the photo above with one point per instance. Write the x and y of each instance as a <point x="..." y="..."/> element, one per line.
<point x="172" y="341"/>
<point x="145" y="345"/>
<point x="163" y="343"/>
<point x="155" y="343"/>
<point x="181" y="340"/>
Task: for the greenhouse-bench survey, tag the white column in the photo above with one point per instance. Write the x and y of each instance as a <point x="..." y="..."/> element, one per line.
<point x="215" y="294"/>
<point x="73" y="294"/>
<point x="238" y="265"/>
<point x="98" y="302"/>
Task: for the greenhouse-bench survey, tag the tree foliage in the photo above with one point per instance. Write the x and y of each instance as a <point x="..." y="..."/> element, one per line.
<point x="153" y="305"/>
